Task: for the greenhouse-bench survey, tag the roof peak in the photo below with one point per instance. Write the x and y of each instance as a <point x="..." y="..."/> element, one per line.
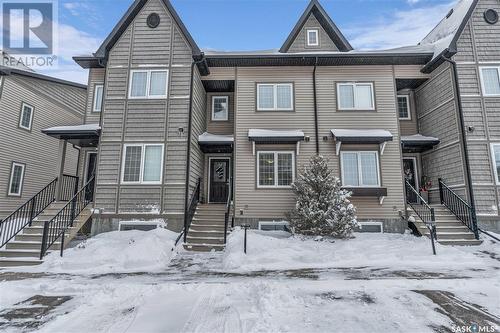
<point x="326" y="22"/>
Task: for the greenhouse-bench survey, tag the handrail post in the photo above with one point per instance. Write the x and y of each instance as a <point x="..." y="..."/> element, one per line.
<point x="225" y="226"/>
<point x="432" y="230"/>
<point x="474" y="223"/>
<point x="44" y="239"/>
<point x="32" y="211"/>
<point x="62" y="242"/>
<point x="441" y="198"/>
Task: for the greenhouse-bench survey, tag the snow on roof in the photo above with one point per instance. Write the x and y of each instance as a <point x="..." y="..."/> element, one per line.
<point x="419" y="137"/>
<point x="263" y="133"/>
<point x="361" y="133"/>
<point x="212" y="138"/>
<point x="444" y="33"/>
<point x="76" y="128"/>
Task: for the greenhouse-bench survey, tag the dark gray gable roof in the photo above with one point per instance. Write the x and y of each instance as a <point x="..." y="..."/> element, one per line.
<point x="129" y="16"/>
<point x="326" y="22"/>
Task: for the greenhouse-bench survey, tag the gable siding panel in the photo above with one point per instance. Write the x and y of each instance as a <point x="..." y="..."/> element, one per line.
<point x="300" y="42"/>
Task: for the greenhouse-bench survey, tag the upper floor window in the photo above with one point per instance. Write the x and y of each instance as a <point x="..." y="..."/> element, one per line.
<point x="355" y="96"/>
<point x="360" y="168"/>
<point x="312" y="37"/>
<point x="404" y="107"/>
<point x="16" y="179"/>
<point x="148" y="84"/>
<point x="26" y="117"/>
<point x="490" y="81"/>
<point x="98" y="93"/>
<point x="220" y="108"/>
<point x="275" y="97"/>
<point x="495" y="155"/>
<point x="275" y="169"/>
<point x="142" y="164"/>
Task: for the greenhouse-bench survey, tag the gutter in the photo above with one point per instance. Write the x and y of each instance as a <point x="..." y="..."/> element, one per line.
<point x="315" y="107"/>
<point x="462" y="131"/>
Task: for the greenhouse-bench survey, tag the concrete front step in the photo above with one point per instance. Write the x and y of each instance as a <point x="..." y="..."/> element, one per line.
<point x="203" y="247"/>
<point x="217" y="222"/>
<point x="32" y="237"/>
<point x="208" y="227"/>
<point x="19" y="253"/>
<point x="205" y="240"/>
<point x="16" y="245"/>
<point x="452" y="235"/>
<point x="14" y="262"/>
<point x="205" y="233"/>
<point x="460" y="242"/>
<point x="441" y="228"/>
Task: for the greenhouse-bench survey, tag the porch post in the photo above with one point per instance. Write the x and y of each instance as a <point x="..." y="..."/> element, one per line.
<point x="62" y="159"/>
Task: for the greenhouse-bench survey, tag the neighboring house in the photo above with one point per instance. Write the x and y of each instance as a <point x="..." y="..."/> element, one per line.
<point x="172" y="122"/>
<point x="29" y="160"/>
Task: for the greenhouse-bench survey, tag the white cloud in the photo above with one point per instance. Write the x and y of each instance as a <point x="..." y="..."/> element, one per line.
<point x="412" y="2"/>
<point x="69" y="72"/>
<point x="403" y="27"/>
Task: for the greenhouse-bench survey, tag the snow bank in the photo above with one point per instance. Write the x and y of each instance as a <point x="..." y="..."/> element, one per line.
<point x="115" y="252"/>
<point x="267" y="252"/>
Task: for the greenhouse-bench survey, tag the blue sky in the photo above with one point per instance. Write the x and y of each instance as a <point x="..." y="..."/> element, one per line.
<point x="251" y="24"/>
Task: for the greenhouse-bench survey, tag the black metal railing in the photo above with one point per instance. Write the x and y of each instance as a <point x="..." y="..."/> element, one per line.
<point x="228" y="209"/>
<point x="24" y="215"/>
<point x="191" y="209"/>
<point x="69" y="186"/>
<point x="58" y="225"/>
<point x="423" y="210"/>
<point x="459" y="207"/>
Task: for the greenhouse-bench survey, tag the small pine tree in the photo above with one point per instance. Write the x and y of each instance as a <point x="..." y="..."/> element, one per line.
<point x="323" y="207"/>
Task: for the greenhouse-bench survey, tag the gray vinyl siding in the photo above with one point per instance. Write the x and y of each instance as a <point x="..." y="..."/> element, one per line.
<point x="37" y="151"/>
<point x="478" y="46"/>
<point x="146" y="120"/>
<point x="220" y="127"/>
<point x="96" y="77"/>
<point x="438" y="117"/>
<point x="273" y="203"/>
<point x="300" y="42"/>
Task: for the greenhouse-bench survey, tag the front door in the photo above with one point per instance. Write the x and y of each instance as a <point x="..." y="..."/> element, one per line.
<point x="219" y="180"/>
<point x="90" y="172"/>
<point x="410" y="171"/>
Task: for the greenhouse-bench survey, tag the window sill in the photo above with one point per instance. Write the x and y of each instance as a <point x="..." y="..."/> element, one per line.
<point x="367" y="191"/>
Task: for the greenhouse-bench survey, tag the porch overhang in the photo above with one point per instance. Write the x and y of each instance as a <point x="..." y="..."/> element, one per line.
<point x="418" y="143"/>
<point x="213" y="143"/>
<point x="361" y="136"/>
<point x="79" y="135"/>
<point x="275" y="136"/>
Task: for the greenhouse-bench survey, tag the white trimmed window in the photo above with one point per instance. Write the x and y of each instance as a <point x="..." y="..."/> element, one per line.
<point x="275" y="169"/>
<point x="16" y="179"/>
<point x="275" y="97"/>
<point x="312" y="37"/>
<point x="495" y="156"/>
<point x="355" y="96"/>
<point x="148" y="83"/>
<point x="26" y="117"/>
<point x="360" y="169"/>
<point x="142" y="164"/>
<point x="490" y="80"/>
<point x="98" y="93"/>
<point x="404" y="107"/>
<point x="220" y="108"/>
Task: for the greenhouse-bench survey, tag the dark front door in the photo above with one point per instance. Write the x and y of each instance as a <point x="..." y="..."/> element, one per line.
<point x="410" y="171"/>
<point x="91" y="167"/>
<point x="219" y="180"/>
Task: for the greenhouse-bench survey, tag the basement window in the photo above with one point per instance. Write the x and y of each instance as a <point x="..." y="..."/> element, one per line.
<point x="377" y="227"/>
<point x="138" y="225"/>
<point x="274" y="226"/>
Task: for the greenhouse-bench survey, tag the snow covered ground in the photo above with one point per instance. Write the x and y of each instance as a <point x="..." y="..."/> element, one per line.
<point x="133" y="282"/>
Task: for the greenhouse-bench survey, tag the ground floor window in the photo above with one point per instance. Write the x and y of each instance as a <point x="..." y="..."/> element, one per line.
<point x="142" y="164"/>
<point x="495" y="155"/>
<point x="16" y="179"/>
<point x="275" y="169"/>
<point x="360" y="168"/>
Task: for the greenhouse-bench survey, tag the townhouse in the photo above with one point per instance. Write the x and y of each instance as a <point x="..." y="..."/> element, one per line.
<point x="205" y="140"/>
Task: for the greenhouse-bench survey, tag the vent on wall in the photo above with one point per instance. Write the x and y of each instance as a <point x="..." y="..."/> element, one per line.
<point x="371" y="227"/>
<point x="138" y="225"/>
